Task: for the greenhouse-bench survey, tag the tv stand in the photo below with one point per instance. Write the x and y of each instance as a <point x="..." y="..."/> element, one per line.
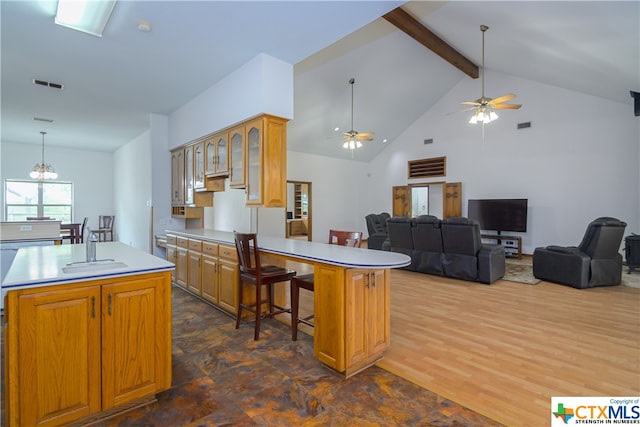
<point x="500" y="237"/>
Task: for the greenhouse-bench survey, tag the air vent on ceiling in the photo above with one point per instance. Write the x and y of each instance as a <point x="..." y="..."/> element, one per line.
<point x="49" y="84"/>
<point x="42" y="119"/>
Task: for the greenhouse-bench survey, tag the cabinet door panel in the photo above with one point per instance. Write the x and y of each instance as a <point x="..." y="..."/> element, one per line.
<point x="210" y="279"/>
<point x="181" y="267"/>
<point x="228" y="282"/>
<point x="358" y="285"/>
<point x="329" y="310"/>
<point x="194" y="275"/>
<point x="379" y="315"/>
<point x="60" y="356"/>
<point x="129" y="340"/>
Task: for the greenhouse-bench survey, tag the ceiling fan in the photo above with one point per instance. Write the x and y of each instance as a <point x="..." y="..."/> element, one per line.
<point x="352" y="139"/>
<point x="484" y="107"/>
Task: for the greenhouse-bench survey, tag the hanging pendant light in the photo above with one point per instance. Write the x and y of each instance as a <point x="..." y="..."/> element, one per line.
<point x="43" y="170"/>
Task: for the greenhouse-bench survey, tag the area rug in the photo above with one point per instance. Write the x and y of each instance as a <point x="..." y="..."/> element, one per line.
<point x="520" y="271"/>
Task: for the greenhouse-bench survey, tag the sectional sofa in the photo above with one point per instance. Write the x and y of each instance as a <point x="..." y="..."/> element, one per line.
<point x="451" y="247"/>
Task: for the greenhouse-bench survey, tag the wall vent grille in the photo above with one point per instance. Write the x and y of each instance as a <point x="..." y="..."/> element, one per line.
<point x="49" y="84"/>
<point x="427" y="168"/>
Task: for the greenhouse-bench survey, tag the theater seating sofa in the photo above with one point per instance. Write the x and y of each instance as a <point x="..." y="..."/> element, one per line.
<point x="451" y="248"/>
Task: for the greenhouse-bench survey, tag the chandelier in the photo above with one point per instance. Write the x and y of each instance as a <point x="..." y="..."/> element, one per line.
<point x="43" y="170"/>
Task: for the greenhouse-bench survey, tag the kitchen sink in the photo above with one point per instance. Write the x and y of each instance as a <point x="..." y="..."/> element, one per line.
<point x="90" y="267"/>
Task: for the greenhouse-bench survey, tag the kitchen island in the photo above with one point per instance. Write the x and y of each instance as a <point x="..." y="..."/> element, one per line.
<point x="84" y="340"/>
<point x="351" y="296"/>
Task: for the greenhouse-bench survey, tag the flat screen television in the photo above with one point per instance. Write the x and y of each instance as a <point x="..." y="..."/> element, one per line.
<point x="499" y="214"/>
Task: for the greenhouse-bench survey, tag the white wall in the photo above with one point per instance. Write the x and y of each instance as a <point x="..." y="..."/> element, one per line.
<point x="336" y="192"/>
<point x="577" y="162"/>
<point x="262" y="85"/>
<point x="91" y="173"/>
<point x="132" y="201"/>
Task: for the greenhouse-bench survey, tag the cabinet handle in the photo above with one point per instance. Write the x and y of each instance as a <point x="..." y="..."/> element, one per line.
<point x="367" y="280"/>
<point x="109" y="306"/>
<point x="93" y="307"/>
<point x="373" y="279"/>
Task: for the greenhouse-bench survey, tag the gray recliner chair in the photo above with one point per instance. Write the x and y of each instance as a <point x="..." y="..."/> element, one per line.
<point x="400" y="239"/>
<point x="465" y="257"/>
<point x="596" y="261"/>
<point x="377" y="228"/>
<point x="427" y="245"/>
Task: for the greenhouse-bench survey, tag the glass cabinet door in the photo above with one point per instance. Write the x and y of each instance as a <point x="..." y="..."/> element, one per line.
<point x="198" y="161"/>
<point x="253" y="165"/>
<point x="222" y="150"/>
<point x="188" y="174"/>
<point x="236" y="171"/>
<point x="210" y="154"/>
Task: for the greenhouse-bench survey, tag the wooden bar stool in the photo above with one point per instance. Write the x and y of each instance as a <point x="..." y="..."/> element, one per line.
<point x="305" y="281"/>
<point x="258" y="275"/>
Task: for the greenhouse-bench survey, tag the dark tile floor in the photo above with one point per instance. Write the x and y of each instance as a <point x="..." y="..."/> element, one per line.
<point x="221" y="376"/>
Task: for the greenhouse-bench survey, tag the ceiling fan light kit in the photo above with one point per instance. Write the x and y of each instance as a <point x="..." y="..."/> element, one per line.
<point x="484" y="107"/>
<point x="353" y="138"/>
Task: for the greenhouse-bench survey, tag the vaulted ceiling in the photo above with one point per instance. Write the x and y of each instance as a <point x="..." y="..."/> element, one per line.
<point x="112" y="83"/>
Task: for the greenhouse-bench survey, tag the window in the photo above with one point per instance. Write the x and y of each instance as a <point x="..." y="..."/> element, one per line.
<point x="26" y="199"/>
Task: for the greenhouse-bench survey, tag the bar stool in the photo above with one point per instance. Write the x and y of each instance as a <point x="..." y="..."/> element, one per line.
<point x="258" y="275"/>
<point x="305" y="281"/>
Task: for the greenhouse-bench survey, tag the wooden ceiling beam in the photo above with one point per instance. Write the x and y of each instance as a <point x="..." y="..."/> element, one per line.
<point x="424" y="36"/>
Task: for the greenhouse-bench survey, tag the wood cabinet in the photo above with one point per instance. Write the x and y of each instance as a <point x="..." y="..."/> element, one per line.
<point x="182" y="266"/>
<point x="217" y="155"/>
<point x="194" y="266"/>
<point x="266" y="159"/>
<point x="237" y="152"/>
<point x="177" y="176"/>
<point x="208" y="270"/>
<point x="356" y="333"/>
<point x="367" y="319"/>
<point x="188" y="176"/>
<point x="74" y="351"/>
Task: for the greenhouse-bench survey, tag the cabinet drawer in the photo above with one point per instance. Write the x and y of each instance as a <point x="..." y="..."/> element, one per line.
<point x="210" y="248"/>
<point x="228" y="252"/>
<point x="183" y="242"/>
<point x="171" y="239"/>
<point x="195" y="245"/>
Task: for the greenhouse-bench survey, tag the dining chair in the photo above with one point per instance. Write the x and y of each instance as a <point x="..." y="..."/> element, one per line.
<point x="84" y="227"/>
<point x="305" y="281"/>
<point x="105" y="228"/>
<point x="252" y="272"/>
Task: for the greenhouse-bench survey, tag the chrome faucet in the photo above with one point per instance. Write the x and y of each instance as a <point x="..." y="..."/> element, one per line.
<point x="91" y="245"/>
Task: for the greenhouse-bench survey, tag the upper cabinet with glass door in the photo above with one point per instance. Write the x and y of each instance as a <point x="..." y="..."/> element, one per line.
<point x="217" y="154"/>
<point x="177" y="176"/>
<point x="266" y="181"/>
<point x="198" y="166"/>
<point x="188" y="175"/>
<point x="237" y="153"/>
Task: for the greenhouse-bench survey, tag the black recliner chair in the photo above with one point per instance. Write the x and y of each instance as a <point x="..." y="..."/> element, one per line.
<point x="427" y="245"/>
<point x="595" y="262"/>
<point x="377" y="228"/>
<point x="465" y="257"/>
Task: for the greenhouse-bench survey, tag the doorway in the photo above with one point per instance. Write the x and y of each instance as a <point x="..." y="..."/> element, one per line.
<point x="298" y="215"/>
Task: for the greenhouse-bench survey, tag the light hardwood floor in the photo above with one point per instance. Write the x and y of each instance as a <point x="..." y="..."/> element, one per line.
<point x="505" y="349"/>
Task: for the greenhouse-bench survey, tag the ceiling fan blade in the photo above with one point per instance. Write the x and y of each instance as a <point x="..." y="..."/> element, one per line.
<point x="365" y="133"/>
<point x="507" y="106"/>
<point x="359" y="138"/>
<point x="503" y="98"/>
<point x="462" y="111"/>
<point x="477" y="104"/>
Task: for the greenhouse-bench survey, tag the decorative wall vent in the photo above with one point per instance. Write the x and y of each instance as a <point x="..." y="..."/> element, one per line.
<point x="427" y="168"/>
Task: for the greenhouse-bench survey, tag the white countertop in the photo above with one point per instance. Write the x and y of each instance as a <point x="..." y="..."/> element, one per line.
<point x="42" y="265"/>
<point x="309" y="251"/>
